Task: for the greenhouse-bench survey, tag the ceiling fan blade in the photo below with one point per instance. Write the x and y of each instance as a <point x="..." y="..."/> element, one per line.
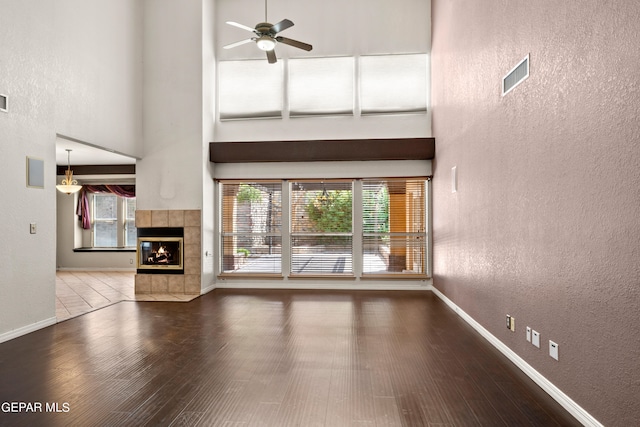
<point x="244" y="27"/>
<point x="294" y="43"/>
<point x="229" y="46"/>
<point x="271" y="56"/>
<point x="282" y="25"/>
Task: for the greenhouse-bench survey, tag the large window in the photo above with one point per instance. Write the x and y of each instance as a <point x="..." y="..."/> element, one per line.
<point x="251" y="227"/>
<point x="321" y="227"/>
<point x="394" y="226"/>
<point x="113" y="222"/>
<point x="326" y="228"/>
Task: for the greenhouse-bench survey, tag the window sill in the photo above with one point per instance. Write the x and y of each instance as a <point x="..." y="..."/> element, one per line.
<point x="333" y="276"/>
<point x="104" y="249"/>
<point x="394" y="276"/>
<point x="275" y="276"/>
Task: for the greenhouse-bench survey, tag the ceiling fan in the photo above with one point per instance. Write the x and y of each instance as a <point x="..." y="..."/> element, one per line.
<point x="266" y="36"/>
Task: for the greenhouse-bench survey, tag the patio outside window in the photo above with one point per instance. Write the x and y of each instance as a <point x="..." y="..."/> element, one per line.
<point x="252" y="227"/>
<point x="321" y="227"/>
<point x="394" y="226"/>
<point x="357" y="228"/>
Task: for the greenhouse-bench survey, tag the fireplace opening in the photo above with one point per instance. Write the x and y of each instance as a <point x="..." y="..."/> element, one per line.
<point x="160" y="251"/>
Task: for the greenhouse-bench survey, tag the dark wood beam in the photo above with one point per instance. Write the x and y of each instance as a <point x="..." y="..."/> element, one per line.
<point x="322" y="150"/>
<point x="99" y="170"/>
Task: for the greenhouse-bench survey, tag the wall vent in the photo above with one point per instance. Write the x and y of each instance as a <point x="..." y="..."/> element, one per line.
<point x="4" y="103"/>
<point x="517" y="75"/>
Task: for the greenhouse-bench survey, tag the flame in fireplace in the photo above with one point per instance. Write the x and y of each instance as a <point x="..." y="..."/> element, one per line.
<point x="160" y="252"/>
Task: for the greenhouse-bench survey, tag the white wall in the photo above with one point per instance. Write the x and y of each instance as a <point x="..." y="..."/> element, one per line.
<point x="98" y="72"/>
<point x="27" y="278"/>
<point x="71" y="67"/>
<point x="170" y="174"/>
<point x="208" y="113"/>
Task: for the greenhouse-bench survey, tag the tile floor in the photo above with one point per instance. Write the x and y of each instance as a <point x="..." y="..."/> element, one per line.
<point x="79" y="292"/>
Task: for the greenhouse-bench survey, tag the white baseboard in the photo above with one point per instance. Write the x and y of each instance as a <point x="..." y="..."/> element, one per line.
<point x="558" y="395"/>
<point x="208" y="289"/>
<point x="27" y="329"/>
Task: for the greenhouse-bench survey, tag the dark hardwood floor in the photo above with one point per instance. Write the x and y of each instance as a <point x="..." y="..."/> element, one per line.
<point x="270" y="358"/>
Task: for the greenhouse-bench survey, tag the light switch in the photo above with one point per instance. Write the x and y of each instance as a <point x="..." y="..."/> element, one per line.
<point x="33" y="228"/>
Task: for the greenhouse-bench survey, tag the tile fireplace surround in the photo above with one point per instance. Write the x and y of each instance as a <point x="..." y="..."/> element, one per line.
<point x="181" y="284"/>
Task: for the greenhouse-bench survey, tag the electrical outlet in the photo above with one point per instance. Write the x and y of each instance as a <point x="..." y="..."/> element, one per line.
<point x="528" y="334"/>
<point x="553" y="349"/>
<point x="513" y="324"/>
<point x="535" y="338"/>
<point x="508" y="322"/>
<point x="130" y="260"/>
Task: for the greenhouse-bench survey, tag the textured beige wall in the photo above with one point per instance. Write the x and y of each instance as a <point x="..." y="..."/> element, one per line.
<point x="545" y="225"/>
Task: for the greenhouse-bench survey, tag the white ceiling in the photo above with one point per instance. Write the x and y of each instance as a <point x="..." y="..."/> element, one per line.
<point x="333" y="27"/>
<point x="86" y="154"/>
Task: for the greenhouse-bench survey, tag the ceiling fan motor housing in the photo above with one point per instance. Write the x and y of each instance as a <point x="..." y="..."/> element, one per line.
<point x="265" y="28"/>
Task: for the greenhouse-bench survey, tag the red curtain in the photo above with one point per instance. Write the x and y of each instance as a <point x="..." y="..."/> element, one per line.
<point x="82" y="210"/>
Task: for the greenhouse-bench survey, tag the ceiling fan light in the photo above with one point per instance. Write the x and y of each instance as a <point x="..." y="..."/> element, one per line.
<point x="266" y="43"/>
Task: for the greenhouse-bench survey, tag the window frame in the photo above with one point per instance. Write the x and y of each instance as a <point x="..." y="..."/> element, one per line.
<point x="318" y="234"/>
<point x="357" y="233"/>
<point x="225" y="234"/>
<point x="120" y="220"/>
<point x="412" y="214"/>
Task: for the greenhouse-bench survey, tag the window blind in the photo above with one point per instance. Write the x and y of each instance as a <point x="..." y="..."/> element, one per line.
<point x="320" y="86"/>
<point x="250" y="89"/>
<point x="321" y="227"/>
<point x="251" y="229"/>
<point x="394" y="226"/>
<point x="393" y="84"/>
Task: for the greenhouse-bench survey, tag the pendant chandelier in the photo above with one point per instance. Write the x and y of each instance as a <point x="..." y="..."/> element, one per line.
<point x="68" y="184"/>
